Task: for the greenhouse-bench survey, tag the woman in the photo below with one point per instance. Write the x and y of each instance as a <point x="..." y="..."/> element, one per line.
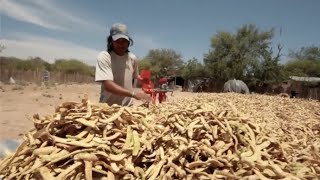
<point x="116" y="68"/>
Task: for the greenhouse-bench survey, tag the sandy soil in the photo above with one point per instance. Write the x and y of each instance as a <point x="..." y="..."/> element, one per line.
<point x="18" y="103"/>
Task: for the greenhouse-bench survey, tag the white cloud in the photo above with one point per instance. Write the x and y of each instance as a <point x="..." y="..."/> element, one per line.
<point x="48" y="49"/>
<point x="46" y="14"/>
<point x="144" y="43"/>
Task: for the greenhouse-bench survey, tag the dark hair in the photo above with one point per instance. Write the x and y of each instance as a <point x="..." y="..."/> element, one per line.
<point x="109" y="43"/>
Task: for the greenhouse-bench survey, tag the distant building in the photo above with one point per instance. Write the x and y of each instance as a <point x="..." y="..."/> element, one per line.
<point x="305" y="79"/>
<point x="304" y="87"/>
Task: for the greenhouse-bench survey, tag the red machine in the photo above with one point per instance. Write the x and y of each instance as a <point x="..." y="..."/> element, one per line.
<point x="148" y="86"/>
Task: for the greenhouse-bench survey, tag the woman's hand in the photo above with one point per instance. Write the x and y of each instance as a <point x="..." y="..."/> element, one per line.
<point x="142" y="96"/>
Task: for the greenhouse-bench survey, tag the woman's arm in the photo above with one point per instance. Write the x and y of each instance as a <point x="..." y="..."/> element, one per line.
<point x="114" y="88"/>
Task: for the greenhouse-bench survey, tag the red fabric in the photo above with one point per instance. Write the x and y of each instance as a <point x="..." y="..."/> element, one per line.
<point x="163" y="80"/>
<point x="145" y="74"/>
<point x="145" y="80"/>
<point x="148" y="85"/>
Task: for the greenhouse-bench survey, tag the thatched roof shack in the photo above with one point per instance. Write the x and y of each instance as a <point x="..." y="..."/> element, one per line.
<point x="305" y="87"/>
<point x="305" y="79"/>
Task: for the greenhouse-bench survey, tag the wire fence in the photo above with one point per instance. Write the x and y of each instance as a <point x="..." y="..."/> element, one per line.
<point x="39" y="77"/>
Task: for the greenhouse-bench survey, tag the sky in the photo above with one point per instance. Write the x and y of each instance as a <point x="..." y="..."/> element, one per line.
<point x="55" y="29"/>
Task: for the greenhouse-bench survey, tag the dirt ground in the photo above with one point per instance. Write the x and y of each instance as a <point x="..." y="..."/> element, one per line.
<point x="19" y="103"/>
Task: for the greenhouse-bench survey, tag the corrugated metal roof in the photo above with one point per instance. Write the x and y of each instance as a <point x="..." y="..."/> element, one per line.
<point x="305" y="79"/>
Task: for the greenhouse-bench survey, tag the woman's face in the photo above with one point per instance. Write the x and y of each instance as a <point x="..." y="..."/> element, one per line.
<point x="120" y="46"/>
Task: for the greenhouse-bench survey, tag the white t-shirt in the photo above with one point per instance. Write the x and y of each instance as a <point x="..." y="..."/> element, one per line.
<point x="120" y="69"/>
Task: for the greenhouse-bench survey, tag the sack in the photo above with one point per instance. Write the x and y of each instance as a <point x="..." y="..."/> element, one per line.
<point x="237" y="86"/>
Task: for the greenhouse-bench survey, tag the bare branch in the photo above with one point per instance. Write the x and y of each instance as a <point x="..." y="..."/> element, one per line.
<point x="279" y="51"/>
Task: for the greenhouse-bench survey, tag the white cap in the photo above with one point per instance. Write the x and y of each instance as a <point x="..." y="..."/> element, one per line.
<point x="118" y="31"/>
<point x="118" y="36"/>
